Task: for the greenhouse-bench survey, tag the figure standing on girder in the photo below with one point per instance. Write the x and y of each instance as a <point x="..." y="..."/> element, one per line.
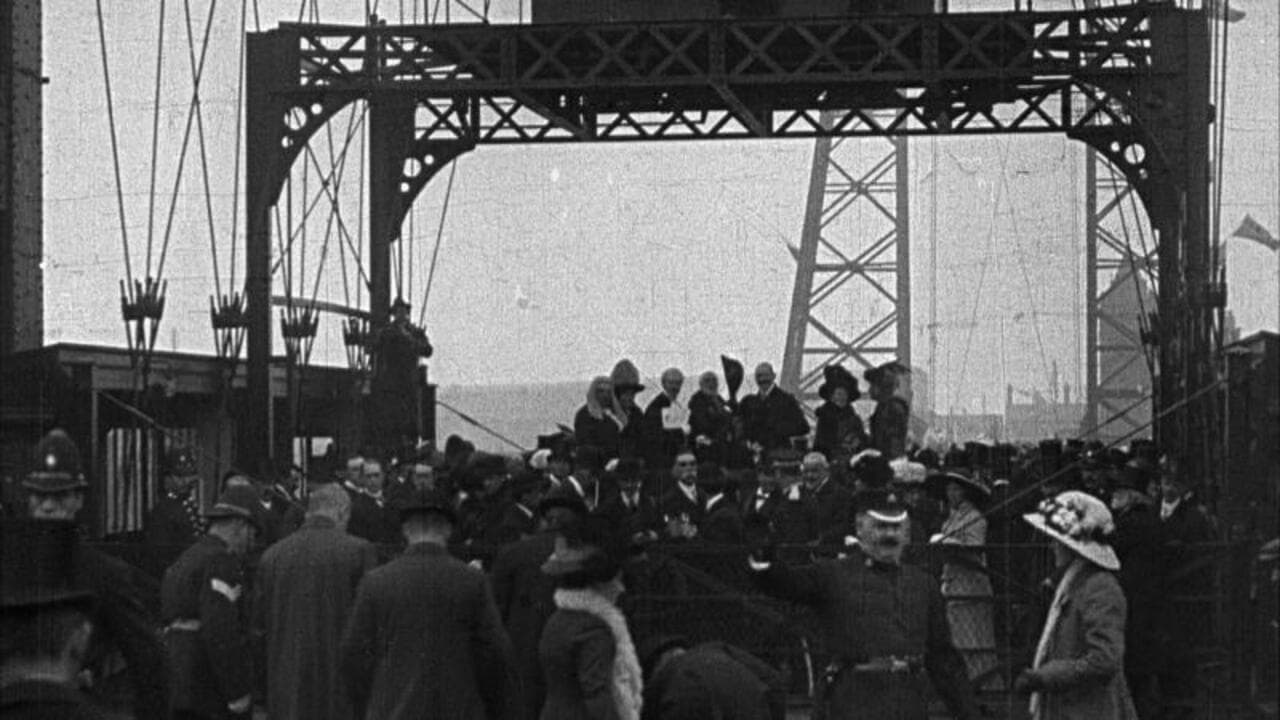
<point x="395" y="350"/>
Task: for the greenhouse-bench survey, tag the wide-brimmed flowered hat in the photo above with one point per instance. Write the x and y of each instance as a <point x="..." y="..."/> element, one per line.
<point x="1080" y="521"/>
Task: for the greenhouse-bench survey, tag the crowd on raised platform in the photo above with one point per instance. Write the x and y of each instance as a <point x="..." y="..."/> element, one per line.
<point x="458" y="583"/>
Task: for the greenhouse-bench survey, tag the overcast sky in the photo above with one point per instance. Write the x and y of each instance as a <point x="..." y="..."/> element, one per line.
<point x="558" y="260"/>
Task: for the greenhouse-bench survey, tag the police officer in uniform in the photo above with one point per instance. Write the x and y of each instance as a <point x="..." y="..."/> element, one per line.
<point x="885" y="622"/>
<point x="174" y="522"/>
<point x="202" y="603"/>
<point x="126" y="663"/>
<point x="45" y="621"/>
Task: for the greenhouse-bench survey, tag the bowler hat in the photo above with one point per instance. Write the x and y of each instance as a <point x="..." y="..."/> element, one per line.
<point x="38" y="563"/>
<point x="55" y="465"/>
<point x="591" y="552"/>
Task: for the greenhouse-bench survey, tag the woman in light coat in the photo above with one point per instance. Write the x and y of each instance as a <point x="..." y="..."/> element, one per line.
<point x="1078" y="670"/>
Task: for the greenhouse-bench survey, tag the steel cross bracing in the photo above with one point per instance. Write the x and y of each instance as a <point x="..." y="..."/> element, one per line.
<point x="1120" y="259"/>
<point x="961" y="73"/>
<point x="1131" y="81"/>
<point x="851" y="300"/>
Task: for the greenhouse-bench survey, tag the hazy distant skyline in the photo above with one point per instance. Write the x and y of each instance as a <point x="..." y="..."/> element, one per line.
<point x="558" y="260"/>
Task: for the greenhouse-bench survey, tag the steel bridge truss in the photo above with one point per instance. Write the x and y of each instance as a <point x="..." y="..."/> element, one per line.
<point x="1122" y="268"/>
<point x="1131" y="81"/>
<point x="851" y="300"/>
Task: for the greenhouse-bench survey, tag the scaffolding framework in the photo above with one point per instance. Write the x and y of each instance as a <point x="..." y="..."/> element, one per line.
<point x="852" y="296"/>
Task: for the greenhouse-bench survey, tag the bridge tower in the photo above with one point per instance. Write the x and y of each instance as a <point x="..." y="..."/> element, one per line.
<point x="851" y="302"/>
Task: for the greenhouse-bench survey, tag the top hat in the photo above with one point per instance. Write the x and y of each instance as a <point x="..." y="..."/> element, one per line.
<point x="38" y="563"/>
<point x="55" y="465"/>
<point x="835" y="376"/>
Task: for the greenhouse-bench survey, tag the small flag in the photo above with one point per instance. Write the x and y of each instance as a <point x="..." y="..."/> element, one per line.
<point x="1251" y="229"/>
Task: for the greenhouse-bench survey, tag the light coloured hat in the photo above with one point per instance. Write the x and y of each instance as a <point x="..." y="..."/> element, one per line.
<point x="1080" y="521"/>
<point x="907" y="472"/>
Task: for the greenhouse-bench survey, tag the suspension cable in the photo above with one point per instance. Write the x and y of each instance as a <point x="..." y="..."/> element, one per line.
<point x="115" y="149"/>
<point x="155" y="137"/>
<point x="435" y="252"/>
<point x="204" y="158"/>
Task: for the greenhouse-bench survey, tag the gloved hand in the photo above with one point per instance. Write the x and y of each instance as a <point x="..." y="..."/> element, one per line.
<point x="241" y="706"/>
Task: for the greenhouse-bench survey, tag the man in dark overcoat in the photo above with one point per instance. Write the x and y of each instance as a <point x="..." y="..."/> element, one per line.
<point x="424" y="640"/>
<point x="306" y="584"/>
<point x="827" y="502"/>
<point x="722" y="517"/>
<point x="1187" y="578"/>
<point x="523" y="593"/>
<point x="202" y="601"/>
<point x="772" y="416"/>
<point x="884" y="622"/>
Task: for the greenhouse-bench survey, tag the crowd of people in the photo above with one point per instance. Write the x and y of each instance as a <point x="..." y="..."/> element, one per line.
<point x="466" y="584"/>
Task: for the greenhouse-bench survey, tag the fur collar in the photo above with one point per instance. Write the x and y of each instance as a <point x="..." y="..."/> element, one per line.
<point x="627" y="687"/>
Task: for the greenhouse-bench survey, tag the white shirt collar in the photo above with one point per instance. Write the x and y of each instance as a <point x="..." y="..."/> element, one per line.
<point x="690" y="491"/>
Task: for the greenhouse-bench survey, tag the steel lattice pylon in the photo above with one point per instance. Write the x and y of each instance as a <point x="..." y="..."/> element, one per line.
<point x="1121" y="265"/>
<point x="851" y="300"/>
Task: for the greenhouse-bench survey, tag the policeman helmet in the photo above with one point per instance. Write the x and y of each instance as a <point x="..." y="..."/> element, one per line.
<point x="55" y="465"/>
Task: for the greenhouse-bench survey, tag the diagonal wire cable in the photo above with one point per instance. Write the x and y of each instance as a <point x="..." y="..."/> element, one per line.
<point x="155" y="138"/>
<point x="115" y="147"/>
<point x="435" y="253"/>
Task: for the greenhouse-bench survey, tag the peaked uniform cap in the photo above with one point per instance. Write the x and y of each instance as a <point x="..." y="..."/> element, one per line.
<point x="38" y="563"/>
<point x="880" y="504"/>
<point x="55" y="465"/>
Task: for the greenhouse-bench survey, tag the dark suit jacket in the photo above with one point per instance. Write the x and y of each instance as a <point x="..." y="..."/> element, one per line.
<point x="424" y="641"/>
<point x="839" y="434"/>
<point x="774" y="419"/>
<point x="305" y="587"/>
<point x="723" y="523"/>
<point x="577" y="652"/>
<point x="830" y="511"/>
<point x="1083" y="668"/>
<point x="644" y="515"/>
<point x="675" y="503"/>
<point x="889" y="424"/>
<point x="603" y="433"/>
<point x="659" y="446"/>
<point x="523" y="594"/>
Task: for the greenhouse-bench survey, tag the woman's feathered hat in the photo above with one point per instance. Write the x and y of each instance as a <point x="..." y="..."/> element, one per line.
<point x="1080" y="521"/>
<point x="835" y="376"/>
